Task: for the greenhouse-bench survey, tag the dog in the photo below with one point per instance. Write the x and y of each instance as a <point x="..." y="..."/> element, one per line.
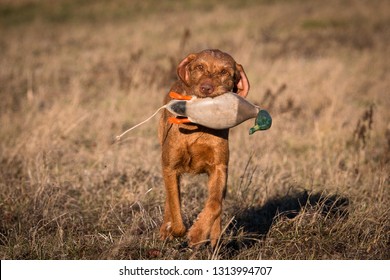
<point x="195" y="149"/>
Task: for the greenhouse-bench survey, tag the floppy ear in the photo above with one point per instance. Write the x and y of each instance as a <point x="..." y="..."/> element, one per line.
<point x="243" y="83"/>
<point x="182" y="70"/>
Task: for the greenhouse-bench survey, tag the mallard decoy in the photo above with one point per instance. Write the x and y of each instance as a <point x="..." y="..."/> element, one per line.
<point x="221" y="112"/>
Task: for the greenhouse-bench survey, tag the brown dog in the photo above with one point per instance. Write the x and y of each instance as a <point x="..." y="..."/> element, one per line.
<point x="190" y="148"/>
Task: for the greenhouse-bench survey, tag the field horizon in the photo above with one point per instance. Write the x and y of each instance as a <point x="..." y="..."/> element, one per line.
<point x="74" y="75"/>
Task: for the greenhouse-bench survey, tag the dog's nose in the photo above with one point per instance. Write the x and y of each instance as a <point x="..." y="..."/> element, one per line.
<point x="206" y="88"/>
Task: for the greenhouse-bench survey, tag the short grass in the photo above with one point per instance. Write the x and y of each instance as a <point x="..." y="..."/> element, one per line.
<point x="74" y="75"/>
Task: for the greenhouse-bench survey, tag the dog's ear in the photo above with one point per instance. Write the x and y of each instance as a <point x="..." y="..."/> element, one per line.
<point x="182" y="70"/>
<point x="243" y="83"/>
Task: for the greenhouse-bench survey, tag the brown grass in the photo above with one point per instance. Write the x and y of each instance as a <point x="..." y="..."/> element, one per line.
<point x="73" y="76"/>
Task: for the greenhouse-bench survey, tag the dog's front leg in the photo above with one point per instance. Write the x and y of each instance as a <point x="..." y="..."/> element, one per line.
<point x="173" y="223"/>
<point x="209" y="220"/>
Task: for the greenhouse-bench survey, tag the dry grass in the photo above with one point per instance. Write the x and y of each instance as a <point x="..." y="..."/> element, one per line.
<point x="315" y="186"/>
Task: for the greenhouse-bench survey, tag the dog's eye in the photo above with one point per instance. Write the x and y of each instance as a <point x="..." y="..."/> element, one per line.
<point x="224" y="72"/>
<point x="199" y="67"/>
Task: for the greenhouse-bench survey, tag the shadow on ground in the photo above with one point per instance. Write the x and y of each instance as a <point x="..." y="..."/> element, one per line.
<point x="255" y="222"/>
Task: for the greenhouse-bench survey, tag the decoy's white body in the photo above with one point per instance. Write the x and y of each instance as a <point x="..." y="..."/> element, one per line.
<point x="221" y="112"/>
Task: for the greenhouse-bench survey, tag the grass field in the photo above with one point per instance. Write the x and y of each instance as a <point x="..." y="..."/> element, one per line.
<point x="74" y="75"/>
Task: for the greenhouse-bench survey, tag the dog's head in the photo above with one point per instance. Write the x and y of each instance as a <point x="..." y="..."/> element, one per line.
<point x="211" y="73"/>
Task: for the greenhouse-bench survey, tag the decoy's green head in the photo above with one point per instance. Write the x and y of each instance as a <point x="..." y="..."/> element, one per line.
<point x="263" y="122"/>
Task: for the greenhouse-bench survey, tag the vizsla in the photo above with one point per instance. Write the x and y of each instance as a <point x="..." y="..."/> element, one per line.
<point x="191" y="148"/>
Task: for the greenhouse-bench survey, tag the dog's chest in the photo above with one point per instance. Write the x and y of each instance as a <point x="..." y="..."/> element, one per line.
<point x="200" y="152"/>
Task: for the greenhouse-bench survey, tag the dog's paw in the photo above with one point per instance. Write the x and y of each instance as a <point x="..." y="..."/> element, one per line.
<point x="178" y="230"/>
<point x="169" y="231"/>
<point x="165" y="230"/>
<point x="197" y="236"/>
